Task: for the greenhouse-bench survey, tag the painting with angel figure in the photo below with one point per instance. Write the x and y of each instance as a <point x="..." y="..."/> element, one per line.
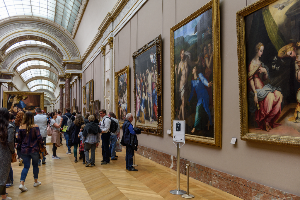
<point x="273" y="69"/>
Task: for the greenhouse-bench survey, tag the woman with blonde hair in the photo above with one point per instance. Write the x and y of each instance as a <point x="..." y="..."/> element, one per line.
<point x="30" y="139"/>
<point x="264" y="100"/>
<point x="55" y="138"/>
<point x="18" y="123"/>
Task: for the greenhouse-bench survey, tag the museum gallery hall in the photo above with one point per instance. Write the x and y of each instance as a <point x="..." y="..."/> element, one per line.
<point x="150" y="99"/>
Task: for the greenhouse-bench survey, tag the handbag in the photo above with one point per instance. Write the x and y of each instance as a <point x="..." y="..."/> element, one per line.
<point x="13" y="157"/>
<point x="49" y="130"/>
<point x="118" y="146"/>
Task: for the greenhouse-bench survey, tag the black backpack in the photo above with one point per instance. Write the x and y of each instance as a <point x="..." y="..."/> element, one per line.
<point x="113" y="126"/>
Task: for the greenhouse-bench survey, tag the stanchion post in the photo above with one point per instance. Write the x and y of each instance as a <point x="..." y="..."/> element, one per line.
<point x="178" y="191"/>
<point x="188" y="195"/>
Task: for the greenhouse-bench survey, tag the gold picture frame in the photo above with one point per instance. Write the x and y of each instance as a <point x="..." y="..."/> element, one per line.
<point x="91" y="85"/>
<point x="147" y="61"/>
<point x="12" y="99"/>
<point x="84" y="111"/>
<point x="84" y="95"/>
<point x="263" y="134"/>
<point x="211" y="12"/>
<point x="126" y="72"/>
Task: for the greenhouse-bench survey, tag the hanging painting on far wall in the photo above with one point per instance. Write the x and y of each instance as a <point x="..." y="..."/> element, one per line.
<point x="122" y="93"/>
<point x="84" y="95"/>
<point x="87" y="95"/>
<point x="269" y="71"/>
<point x="97" y="109"/>
<point x="84" y="111"/>
<point x="196" y="74"/>
<point x="147" y="65"/>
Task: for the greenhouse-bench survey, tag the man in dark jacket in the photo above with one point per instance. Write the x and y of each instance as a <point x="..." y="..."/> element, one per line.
<point x="128" y="131"/>
<point x="65" y="117"/>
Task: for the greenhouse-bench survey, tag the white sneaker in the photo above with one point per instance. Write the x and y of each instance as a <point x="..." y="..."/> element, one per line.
<point x="36" y="184"/>
<point x="55" y="157"/>
<point x="23" y="188"/>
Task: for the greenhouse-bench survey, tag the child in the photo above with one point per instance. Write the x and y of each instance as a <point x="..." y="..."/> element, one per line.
<point x="81" y="147"/>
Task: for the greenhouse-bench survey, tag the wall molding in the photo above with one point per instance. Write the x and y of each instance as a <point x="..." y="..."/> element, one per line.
<point x="234" y="185"/>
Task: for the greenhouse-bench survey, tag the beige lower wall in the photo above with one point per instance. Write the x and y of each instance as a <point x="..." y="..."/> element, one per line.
<point x="271" y="165"/>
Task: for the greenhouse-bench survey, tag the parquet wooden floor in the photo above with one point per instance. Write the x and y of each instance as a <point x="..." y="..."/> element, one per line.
<point x="64" y="179"/>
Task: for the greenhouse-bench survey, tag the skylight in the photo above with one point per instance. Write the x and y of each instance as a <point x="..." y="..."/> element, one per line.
<point x="40" y="82"/>
<point x="42" y="87"/>
<point x="63" y="12"/>
<point x="38" y="72"/>
<point x="32" y="62"/>
<point x="26" y="42"/>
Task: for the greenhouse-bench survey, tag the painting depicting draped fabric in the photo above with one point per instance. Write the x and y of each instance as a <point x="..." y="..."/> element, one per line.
<point x="23" y="101"/>
<point x="269" y="70"/>
<point x="196" y="75"/>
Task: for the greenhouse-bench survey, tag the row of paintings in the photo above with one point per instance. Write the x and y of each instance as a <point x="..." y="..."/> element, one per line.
<point x="269" y="75"/>
<point x="195" y="80"/>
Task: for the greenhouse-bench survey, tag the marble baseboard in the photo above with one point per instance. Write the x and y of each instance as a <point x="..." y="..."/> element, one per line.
<point x="234" y="185"/>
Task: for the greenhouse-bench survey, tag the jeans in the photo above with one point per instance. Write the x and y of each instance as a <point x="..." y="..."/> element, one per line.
<point x="54" y="149"/>
<point x="112" y="147"/>
<point x="67" y="137"/>
<point x="44" y="158"/>
<point x="105" y="147"/>
<point x="26" y="160"/>
<point x="88" y="147"/>
<point x="75" y="150"/>
<point x="129" y="156"/>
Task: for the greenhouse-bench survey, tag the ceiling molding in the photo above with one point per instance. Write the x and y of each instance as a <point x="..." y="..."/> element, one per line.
<point x="46" y="91"/>
<point x="79" y="17"/>
<point x="43" y="85"/>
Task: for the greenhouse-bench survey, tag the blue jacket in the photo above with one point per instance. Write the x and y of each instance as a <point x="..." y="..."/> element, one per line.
<point x="127" y="131"/>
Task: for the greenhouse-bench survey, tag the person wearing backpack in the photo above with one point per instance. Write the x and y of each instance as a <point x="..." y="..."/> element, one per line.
<point x="105" y="136"/>
<point x="128" y="133"/>
<point x="66" y="124"/>
<point x="114" y="134"/>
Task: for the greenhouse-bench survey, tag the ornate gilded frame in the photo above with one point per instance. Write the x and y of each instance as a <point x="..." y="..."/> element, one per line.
<point x="217" y="140"/>
<point x="125" y="70"/>
<point x="241" y="51"/>
<point x="91" y="90"/>
<point x="6" y="93"/>
<point x="84" y="94"/>
<point x="84" y="111"/>
<point x="158" y="43"/>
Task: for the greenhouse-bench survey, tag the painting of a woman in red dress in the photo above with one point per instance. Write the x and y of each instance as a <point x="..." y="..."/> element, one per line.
<point x="264" y="100"/>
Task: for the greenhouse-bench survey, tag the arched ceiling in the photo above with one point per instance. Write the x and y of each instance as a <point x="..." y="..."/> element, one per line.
<point x="63" y="12"/>
<point x="35" y="40"/>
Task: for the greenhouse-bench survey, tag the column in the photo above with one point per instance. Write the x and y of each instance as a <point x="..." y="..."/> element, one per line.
<point x="80" y="93"/>
<point x="67" y="91"/>
<point x="61" y="98"/>
<point x="10" y="86"/>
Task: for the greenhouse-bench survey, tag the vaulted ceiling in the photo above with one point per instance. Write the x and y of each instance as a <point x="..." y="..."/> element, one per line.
<point x="36" y="37"/>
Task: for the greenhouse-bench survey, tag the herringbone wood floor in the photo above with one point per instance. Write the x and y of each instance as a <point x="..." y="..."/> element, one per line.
<point x="64" y="179"/>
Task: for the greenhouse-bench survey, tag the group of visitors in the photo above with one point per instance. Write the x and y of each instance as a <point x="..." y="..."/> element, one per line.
<point x="27" y="133"/>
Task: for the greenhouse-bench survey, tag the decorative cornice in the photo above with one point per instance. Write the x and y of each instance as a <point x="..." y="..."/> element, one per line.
<point x="103" y="50"/>
<point x="10" y="84"/>
<point x="79" y="17"/>
<point x="61" y="85"/>
<point x="80" y="76"/>
<point x="68" y="75"/>
<point x="110" y="42"/>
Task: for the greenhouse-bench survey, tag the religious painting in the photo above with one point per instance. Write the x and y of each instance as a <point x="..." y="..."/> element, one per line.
<point x="84" y="95"/>
<point x="25" y="101"/>
<point x="269" y="71"/>
<point x="87" y="96"/>
<point x="147" y="65"/>
<point x="122" y="93"/>
<point x="91" y="109"/>
<point x="196" y="75"/>
<point x="97" y="108"/>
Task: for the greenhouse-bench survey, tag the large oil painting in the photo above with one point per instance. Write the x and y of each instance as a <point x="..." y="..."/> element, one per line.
<point x="25" y="101"/>
<point x="196" y="75"/>
<point x="122" y="93"/>
<point x="87" y="96"/>
<point x="269" y="70"/>
<point x="147" y="65"/>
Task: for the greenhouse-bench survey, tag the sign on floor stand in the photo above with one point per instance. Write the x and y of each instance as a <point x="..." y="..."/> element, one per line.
<point x="179" y="140"/>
